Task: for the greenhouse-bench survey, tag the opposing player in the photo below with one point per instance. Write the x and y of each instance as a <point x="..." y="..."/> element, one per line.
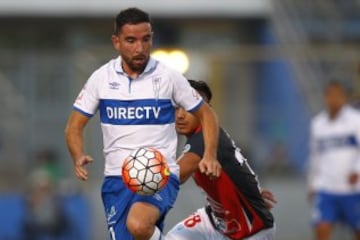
<point x="136" y="97"/>
<point x="235" y="208"/>
<point x="334" y="185"/>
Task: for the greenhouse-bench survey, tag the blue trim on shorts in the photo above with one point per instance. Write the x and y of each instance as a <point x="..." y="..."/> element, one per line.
<point x="333" y="208"/>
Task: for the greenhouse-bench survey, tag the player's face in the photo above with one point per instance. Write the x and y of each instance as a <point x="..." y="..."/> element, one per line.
<point x="185" y="123"/>
<point x="335" y="98"/>
<point x="134" y="43"/>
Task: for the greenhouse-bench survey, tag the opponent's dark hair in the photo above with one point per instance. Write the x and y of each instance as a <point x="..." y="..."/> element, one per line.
<point x="203" y="89"/>
<point x="130" y="16"/>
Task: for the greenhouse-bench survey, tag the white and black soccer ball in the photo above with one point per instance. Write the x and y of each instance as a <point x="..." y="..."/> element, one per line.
<point x="145" y="171"/>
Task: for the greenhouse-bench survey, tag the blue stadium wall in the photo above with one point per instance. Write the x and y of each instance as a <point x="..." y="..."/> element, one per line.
<point x="282" y="114"/>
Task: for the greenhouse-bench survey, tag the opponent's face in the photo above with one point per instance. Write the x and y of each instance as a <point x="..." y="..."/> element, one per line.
<point x="134" y="43"/>
<point x="185" y="122"/>
<point x="335" y="98"/>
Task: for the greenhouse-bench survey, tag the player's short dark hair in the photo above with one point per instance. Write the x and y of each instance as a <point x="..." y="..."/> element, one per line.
<point x="130" y="16"/>
<point x="203" y="89"/>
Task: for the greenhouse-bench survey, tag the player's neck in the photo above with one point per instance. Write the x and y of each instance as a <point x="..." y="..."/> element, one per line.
<point x="133" y="74"/>
<point x="197" y="129"/>
<point x="334" y="113"/>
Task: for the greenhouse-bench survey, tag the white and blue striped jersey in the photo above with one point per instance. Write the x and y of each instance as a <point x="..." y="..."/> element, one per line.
<point x="136" y="112"/>
<point x="335" y="151"/>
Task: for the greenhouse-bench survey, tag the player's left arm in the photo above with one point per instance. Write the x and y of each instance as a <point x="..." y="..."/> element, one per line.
<point x="209" y="163"/>
<point x="188" y="163"/>
<point x="354" y="175"/>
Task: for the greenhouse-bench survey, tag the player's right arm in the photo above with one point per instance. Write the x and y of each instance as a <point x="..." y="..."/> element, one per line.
<point x="75" y="143"/>
<point x="85" y="106"/>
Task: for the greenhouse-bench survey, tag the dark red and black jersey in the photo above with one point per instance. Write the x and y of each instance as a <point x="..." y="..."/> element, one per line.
<point x="237" y="208"/>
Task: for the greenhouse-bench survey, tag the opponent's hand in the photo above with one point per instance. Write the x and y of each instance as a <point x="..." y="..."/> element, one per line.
<point x="79" y="167"/>
<point x="269" y="198"/>
<point x="210" y="166"/>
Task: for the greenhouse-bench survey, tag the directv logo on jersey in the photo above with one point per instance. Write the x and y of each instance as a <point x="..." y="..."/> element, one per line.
<point x="136" y="112"/>
<point x="331" y="142"/>
<point x="132" y="112"/>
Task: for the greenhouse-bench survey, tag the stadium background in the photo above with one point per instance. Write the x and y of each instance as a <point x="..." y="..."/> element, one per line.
<point x="266" y="62"/>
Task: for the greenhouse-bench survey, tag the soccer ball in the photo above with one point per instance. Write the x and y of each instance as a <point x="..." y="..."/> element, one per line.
<point x="145" y="171"/>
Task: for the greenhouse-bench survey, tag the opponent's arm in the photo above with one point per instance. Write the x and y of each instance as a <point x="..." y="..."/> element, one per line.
<point x="188" y="163"/>
<point x="209" y="163"/>
<point x="75" y="143"/>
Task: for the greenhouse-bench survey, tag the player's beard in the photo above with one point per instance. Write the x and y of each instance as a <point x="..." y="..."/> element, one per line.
<point x="137" y="63"/>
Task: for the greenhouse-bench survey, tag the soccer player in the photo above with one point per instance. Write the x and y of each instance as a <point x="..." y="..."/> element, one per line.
<point x="334" y="186"/>
<point x="136" y="97"/>
<point x="235" y="208"/>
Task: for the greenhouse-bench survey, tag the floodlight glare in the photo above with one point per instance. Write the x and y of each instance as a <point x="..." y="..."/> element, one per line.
<point x="176" y="59"/>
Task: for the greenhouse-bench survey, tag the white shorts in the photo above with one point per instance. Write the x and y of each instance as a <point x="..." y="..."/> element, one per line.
<point x="198" y="226"/>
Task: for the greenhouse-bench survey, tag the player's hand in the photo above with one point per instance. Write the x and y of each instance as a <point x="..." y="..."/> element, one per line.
<point x="79" y="166"/>
<point x="210" y="166"/>
<point x="269" y="198"/>
<point x="353" y="178"/>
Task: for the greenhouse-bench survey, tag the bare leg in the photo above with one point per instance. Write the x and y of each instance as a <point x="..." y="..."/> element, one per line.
<point x="357" y="234"/>
<point x="323" y="231"/>
<point x="141" y="220"/>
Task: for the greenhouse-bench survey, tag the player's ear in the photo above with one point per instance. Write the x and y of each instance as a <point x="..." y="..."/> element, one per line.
<point x="116" y="42"/>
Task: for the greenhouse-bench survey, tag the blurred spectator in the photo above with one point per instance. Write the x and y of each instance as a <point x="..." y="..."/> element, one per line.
<point x="45" y="213"/>
<point x="55" y="207"/>
<point x="334" y="184"/>
<point x="48" y="160"/>
<point x="278" y="160"/>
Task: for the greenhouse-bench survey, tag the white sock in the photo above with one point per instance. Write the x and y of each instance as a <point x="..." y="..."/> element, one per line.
<point x="156" y="234"/>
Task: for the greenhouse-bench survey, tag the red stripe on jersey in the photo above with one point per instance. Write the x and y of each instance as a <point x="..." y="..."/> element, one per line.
<point x="234" y="216"/>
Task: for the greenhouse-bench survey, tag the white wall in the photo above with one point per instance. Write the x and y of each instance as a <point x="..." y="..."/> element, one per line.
<point x="173" y="8"/>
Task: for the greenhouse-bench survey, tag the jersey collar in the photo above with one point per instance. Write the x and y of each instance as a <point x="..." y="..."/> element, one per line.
<point x="340" y="113"/>
<point x="198" y="129"/>
<point x="149" y="66"/>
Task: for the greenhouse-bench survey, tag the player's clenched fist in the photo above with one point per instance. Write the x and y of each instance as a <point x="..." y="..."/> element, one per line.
<point x="210" y="167"/>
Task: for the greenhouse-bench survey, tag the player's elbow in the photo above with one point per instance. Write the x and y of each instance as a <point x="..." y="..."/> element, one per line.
<point x="67" y="130"/>
<point x="183" y="177"/>
<point x="188" y="164"/>
<point x="70" y="131"/>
